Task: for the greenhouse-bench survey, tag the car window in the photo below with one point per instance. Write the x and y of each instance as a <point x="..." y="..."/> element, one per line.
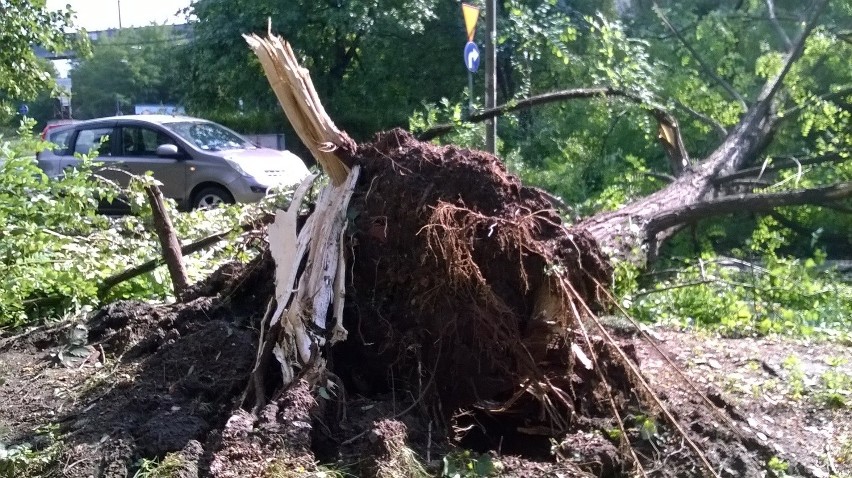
<point x="140" y="141"/>
<point x="209" y="136"/>
<point x="95" y="139"/>
<point x="60" y="139"/>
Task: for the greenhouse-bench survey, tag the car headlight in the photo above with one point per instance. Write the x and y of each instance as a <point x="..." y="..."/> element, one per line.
<point x="237" y="167"/>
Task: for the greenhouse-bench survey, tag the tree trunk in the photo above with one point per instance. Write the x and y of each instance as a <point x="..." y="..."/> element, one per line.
<point x="634" y="231"/>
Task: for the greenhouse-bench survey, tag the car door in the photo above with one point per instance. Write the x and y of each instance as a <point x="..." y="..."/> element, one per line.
<point x="138" y="155"/>
<point x="99" y="139"/>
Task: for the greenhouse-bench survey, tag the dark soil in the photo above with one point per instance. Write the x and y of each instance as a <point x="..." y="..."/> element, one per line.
<point x="452" y="303"/>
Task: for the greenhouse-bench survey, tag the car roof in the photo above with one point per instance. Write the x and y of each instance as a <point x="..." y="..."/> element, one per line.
<point x="144" y="119"/>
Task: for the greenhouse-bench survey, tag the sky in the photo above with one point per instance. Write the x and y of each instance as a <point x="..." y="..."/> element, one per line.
<point x="96" y="15"/>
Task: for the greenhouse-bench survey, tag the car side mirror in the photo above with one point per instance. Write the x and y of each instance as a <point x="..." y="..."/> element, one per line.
<point x="168" y="150"/>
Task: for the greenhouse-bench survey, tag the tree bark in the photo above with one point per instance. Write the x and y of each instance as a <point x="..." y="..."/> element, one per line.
<point x="168" y="241"/>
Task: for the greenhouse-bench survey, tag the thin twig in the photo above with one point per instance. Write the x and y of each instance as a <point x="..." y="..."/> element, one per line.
<point x="703" y="64"/>
<point x="770" y="7"/>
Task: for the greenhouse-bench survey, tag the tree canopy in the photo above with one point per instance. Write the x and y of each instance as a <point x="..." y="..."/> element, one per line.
<point x="24" y="24"/>
<point x="139" y="65"/>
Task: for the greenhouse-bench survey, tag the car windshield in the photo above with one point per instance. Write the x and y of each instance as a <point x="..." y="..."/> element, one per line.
<point x="209" y="136"/>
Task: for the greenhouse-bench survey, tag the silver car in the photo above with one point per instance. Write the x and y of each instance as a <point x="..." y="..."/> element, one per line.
<point x="200" y="163"/>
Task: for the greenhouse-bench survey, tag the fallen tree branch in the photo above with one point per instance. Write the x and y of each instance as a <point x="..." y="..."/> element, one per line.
<point x="169" y="242"/>
<point x="670" y="136"/>
<point x="748" y="202"/>
<point x="544" y="98"/>
<point x="835" y="157"/>
<point x="192" y="248"/>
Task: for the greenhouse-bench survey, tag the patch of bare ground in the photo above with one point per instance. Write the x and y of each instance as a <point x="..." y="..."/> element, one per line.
<point x="783" y="395"/>
<point x="165" y="381"/>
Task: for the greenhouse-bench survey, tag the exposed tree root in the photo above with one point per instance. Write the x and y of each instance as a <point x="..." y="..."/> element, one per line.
<point x="447" y="260"/>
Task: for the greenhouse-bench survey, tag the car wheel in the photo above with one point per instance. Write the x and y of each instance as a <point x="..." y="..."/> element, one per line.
<point x="211" y="197"/>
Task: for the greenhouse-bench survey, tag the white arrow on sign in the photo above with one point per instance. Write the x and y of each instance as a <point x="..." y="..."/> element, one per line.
<point x="472" y="58"/>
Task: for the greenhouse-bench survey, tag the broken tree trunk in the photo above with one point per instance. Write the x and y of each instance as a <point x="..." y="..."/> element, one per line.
<point x="295" y="332"/>
<point x="295" y="92"/>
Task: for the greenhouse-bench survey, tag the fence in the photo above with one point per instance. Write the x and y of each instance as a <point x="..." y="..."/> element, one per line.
<point x="273" y="141"/>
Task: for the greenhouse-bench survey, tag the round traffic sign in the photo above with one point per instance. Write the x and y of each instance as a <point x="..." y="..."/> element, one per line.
<point x="471" y="57"/>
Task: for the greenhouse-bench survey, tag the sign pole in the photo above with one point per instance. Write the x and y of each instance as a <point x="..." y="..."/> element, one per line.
<point x="469" y="93"/>
<point x="491" y="75"/>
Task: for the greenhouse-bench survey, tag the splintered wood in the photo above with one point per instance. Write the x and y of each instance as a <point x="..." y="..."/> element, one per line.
<point x="295" y="91"/>
<point x="303" y="297"/>
<point x="305" y="290"/>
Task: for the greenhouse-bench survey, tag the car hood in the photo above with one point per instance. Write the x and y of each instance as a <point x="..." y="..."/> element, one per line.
<point x="268" y="166"/>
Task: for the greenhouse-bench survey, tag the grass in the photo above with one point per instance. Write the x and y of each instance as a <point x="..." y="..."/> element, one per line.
<point x="168" y="467"/>
<point x="281" y="469"/>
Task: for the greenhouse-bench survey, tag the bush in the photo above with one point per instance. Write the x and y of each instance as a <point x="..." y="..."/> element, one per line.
<point x="776" y="295"/>
<point x="55" y="249"/>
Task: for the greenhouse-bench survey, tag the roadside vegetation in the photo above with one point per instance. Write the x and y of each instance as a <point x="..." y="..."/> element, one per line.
<point x="57" y="249"/>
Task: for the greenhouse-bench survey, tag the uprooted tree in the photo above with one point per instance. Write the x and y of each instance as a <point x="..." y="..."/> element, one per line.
<point x="432" y="271"/>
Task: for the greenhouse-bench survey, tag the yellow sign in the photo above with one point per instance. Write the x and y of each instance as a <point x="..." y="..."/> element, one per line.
<point x="471" y="15"/>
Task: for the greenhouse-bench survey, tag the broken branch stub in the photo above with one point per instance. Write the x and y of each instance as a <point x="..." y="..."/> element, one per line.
<point x="168" y="240"/>
<point x="295" y="92"/>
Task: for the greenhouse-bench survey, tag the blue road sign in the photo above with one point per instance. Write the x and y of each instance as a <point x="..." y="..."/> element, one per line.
<point x="23" y="109"/>
<point x="471" y="57"/>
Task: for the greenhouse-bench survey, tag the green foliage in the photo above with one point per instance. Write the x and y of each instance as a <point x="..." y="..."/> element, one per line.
<point x="281" y="469"/>
<point x="796" y="378"/>
<point x="836" y="386"/>
<point x="467" y="464"/>
<point x="371" y="63"/>
<point x="45" y="224"/>
<point x="23" y="24"/>
<point x="464" y="134"/>
<point x="28" y="459"/>
<point x="56" y="249"/>
<point x="169" y="467"/>
<point x="136" y="66"/>
<point x="766" y="294"/>
<point x="777" y="467"/>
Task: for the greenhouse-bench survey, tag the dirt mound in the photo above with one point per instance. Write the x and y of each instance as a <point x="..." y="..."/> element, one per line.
<point x="463" y="299"/>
